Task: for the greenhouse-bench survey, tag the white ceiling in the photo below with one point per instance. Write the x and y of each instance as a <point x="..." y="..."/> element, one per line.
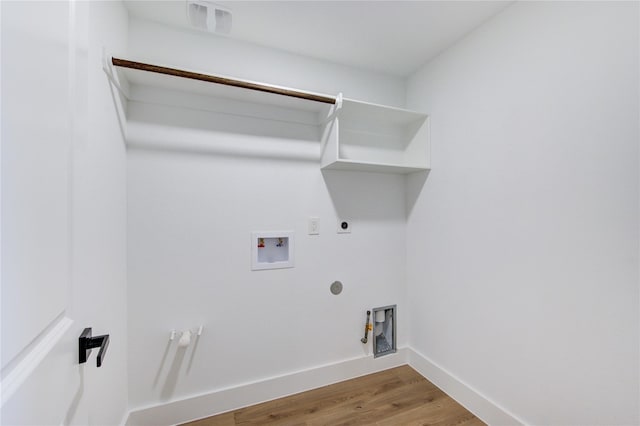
<point x="393" y="37"/>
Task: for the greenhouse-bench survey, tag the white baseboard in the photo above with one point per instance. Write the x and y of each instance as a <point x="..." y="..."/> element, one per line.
<point x="485" y="409"/>
<point x="233" y="398"/>
<point x="123" y="420"/>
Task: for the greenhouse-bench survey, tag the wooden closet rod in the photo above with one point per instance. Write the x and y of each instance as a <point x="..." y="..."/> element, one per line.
<point x="221" y="80"/>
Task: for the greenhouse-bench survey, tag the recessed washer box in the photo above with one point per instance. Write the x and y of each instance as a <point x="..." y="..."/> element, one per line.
<point x="272" y="250"/>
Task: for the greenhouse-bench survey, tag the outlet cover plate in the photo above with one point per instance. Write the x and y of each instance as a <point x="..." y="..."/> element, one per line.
<point x="314" y="226"/>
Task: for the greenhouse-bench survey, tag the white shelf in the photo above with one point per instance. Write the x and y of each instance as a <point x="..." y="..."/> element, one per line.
<point x="376" y="138"/>
<point x="354" y="135"/>
<point x="161" y="85"/>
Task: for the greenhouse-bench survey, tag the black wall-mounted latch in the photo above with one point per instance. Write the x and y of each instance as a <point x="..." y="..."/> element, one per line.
<point x="86" y="343"/>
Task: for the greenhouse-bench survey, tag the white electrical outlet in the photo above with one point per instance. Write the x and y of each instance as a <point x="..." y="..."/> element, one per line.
<point x="344" y="226"/>
<point x="314" y="226"/>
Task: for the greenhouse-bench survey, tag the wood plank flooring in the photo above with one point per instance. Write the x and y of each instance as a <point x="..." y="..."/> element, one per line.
<point x="396" y="397"/>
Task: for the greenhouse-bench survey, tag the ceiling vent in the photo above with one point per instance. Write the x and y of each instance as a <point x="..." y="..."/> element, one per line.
<point x="209" y="17"/>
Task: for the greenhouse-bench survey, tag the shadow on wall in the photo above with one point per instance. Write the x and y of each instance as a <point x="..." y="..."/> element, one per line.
<point x="375" y="196"/>
<point x="219" y="122"/>
<point x="371" y="196"/>
<point x="179" y="130"/>
<point x="75" y="403"/>
<point x="225" y="147"/>
<point x="172" y="376"/>
<point x="173" y="372"/>
<point x="264" y="132"/>
<point x="413" y="187"/>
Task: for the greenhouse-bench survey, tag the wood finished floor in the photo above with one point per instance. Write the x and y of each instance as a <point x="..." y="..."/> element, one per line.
<point x="396" y="397"/>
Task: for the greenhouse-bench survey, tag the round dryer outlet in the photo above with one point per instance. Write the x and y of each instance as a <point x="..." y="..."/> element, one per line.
<point x="344" y="226"/>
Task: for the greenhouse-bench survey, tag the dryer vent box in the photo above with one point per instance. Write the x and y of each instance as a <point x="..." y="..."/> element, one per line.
<point x="209" y="17"/>
<point x="384" y="330"/>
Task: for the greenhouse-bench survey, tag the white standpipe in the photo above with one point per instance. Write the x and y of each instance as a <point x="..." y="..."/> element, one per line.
<point x="186" y="335"/>
<point x="185" y="339"/>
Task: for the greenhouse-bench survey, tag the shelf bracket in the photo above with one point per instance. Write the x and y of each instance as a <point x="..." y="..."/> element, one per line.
<point x="334" y="110"/>
<point x="108" y="69"/>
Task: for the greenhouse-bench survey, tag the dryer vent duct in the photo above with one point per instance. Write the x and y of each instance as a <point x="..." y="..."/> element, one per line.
<point x="209" y="17"/>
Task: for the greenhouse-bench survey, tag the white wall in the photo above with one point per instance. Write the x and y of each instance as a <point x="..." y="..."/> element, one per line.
<point x="523" y="244"/>
<point x="201" y="51"/>
<point x="191" y="213"/>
